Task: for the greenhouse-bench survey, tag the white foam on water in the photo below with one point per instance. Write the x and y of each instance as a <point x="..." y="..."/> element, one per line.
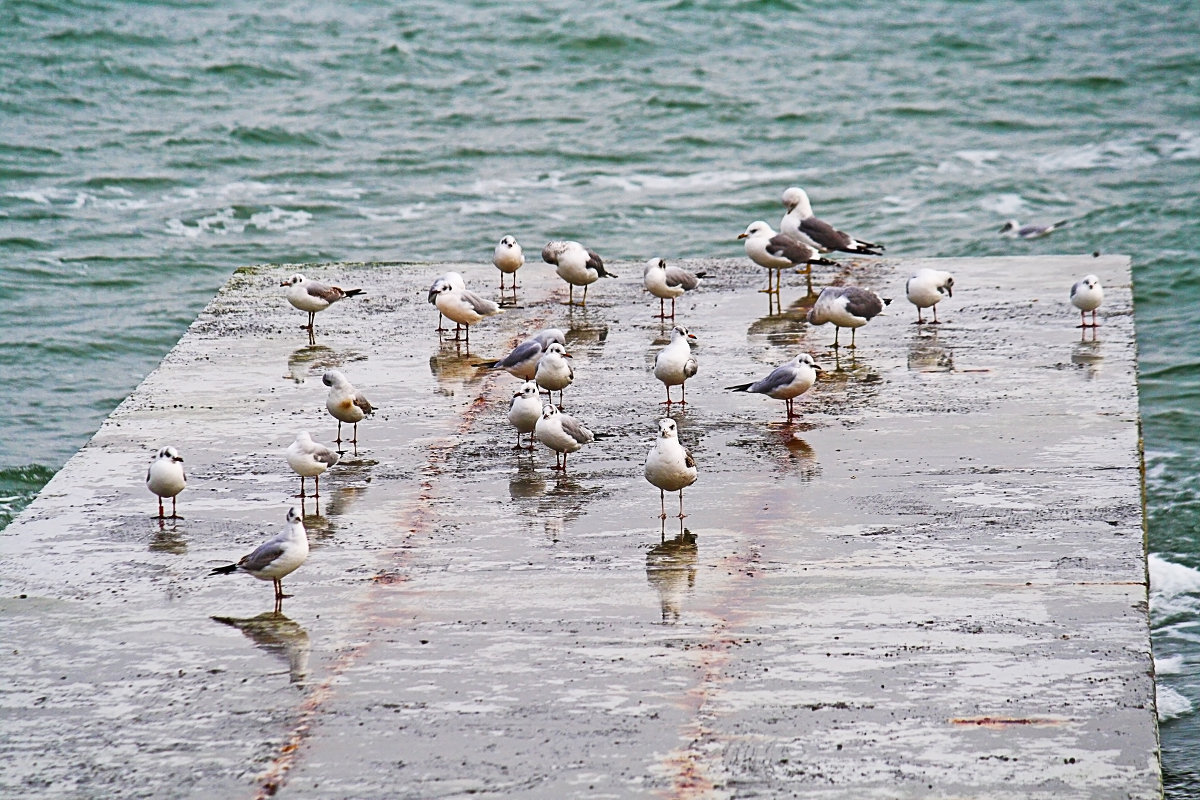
<point x="1169" y="665"/>
<point x="1171" y="704"/>
<point x="279" y="219"/>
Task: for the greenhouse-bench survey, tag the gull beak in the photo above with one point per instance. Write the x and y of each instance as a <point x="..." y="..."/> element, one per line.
<point x="949" y="291"/>
<point x="568" y="355"/>
<point x="692" y="337"/>
<point x="286" y="283"/>
<point x="818" y="367"/>
<point x="741" y="236"/>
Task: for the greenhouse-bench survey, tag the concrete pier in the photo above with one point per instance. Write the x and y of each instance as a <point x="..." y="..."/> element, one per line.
<point x="933" y="584"/>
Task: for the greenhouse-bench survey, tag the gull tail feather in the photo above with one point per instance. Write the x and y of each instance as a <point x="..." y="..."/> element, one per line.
<point x="225" y="570"/>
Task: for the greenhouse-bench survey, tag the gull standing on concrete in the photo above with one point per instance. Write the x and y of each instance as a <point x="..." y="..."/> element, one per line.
<point x="276" y="558"/>
<point x="926" y="288"/>
<point x="345" y="403"/>
<point x="452" y="279"/>
<point x="576" y="265"/>
<point x="561" y="433"/>
<point x="846" y="307"/>
<point x="777" y="252"/>
<point x="508" y="258"/>
<point x="464" y="308"/>
<point x="1087" y="295"/>
<point x="165" y="478"/>
<point x="523" y="360"/>
<point x="312" y="296"/>
<point x="1014" y="230"/>
<point x="799" y="223"/>
<point x="786" y="382"/>
<point x="309" y="459"/>
<point x="525" y="410"/>
<point x="667" y="283"/>
<point x="670" y="466"/>
<point x="554" y="373"/>
<point x="675" y="363"/>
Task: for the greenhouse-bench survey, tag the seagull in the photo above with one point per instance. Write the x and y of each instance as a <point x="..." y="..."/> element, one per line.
<point x="926" y="288"/>
<point x="309" y="459"/>
<point x="525" y="410"/>
<point x="452" y="279"/>
<point x="667" y="283"/>
<point x="674" y="364"/>
<point x="576" y="265"/>
<point x="777" y="251"/>
<point x="464" y="307"/>
<point x="165" y="478"/>
<point x="276" y="558"/>
<point x="554" y="372"/>
<point x="786" y="382"/>
<point x="311" y="296"/>
<point x="561" y="433"/>
<point x="799" y="223"/>
<point x="1013" y="229"/>
<point x="846" y="307"/>
<point x="1087" y="295"/>
<point x="508" y="258"/>
<point x="670" y="466"/>
<point x="523" y="360"/>
<point x="345" y="403"/>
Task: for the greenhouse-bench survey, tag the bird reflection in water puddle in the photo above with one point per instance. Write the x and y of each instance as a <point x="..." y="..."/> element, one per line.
<point x="454" y="370"/>
<point x="927" y="354"/>
<point x="671" y="570"/>
<point x="279" y="636"/>
<point x="168" y="540"/>
<point x="316" y="358"/>
<point x="784" y="327"/>
<point x="1087" y="355"/>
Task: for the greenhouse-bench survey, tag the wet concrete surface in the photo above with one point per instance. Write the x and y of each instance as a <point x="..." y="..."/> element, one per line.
<point x="933" y="584"/>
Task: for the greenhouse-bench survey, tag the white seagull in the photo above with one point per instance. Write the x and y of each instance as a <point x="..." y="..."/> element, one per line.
<point x="576" y="265"/>
<point x="554" y="373"/>
<point x="523" y="360"/>
<point x="667" y="283"/>
<point x="309" y="459"/>
<point x="312" y="296"/>
<point x="846" y="307"/>
<point x="926" y="288"/>
<point x="786" y="382"/>
<point x="276" y="558"/>
<point x="452" y="279"/>
<point x="525" y="410"/>
<point x="508" y="258"/>
<point x="1087" y="295"/>
<point x="165" y="478"/>
<point x="561" y="433"/>
<point x="799" y="223"/>
<point x="674" y="364"/>
<point x="345" y="403"/>
<point x="670" y="466"/>
<point x="464" y="307"/>
<point x="1014" y="230"/>
<point x="777" y="252"/>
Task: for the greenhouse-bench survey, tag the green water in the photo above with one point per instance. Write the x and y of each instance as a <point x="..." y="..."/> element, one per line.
<point x="147" y="149"/>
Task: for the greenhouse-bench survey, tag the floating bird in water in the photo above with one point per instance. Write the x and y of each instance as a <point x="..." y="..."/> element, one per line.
<point x="508" y="258"/>
<point x="562" y="433"/>
<point x="926" y="288"/>
<point x="309" y="459"/>
<point x="778" y="251"/>
<point x="670" y="466"/>
<point x="1014" y="230"/>
<point x="312" y="296"/>
<point x="667" y="283"/>
<point x="576" y="265"/>
<point x="799" y="223"/>
<point x="786" y="382"/>
<point x="674" y="364"/>
<point x="345" y="403"/>
<point x="846" y="307"/>
<point x="276" y="558"/>
<point x="165" y="478"/>
<point x="1087" y="295"/>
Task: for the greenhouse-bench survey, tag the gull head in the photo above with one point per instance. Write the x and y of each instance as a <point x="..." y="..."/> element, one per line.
<point x="170" y="453"/>
<point x="293" y="517"/>
<point x="667" y="428"/>
<point x="295" y="280"/>
<point x="654" y="263"/>
<point x="756" y="228"/>
<point x="528" y="389"/>
<point x="334" y="377"/>
<point x="549" y="410"/>
<point x="555" y="347"/>
<point x="805" y="358"/>
<point x="508" y="241"/>
<point x="680" y="332"/>
<point x="551" y="250"/>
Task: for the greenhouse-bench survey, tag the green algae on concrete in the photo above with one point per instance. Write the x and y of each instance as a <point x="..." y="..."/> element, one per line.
<point x="932" y="585"/>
